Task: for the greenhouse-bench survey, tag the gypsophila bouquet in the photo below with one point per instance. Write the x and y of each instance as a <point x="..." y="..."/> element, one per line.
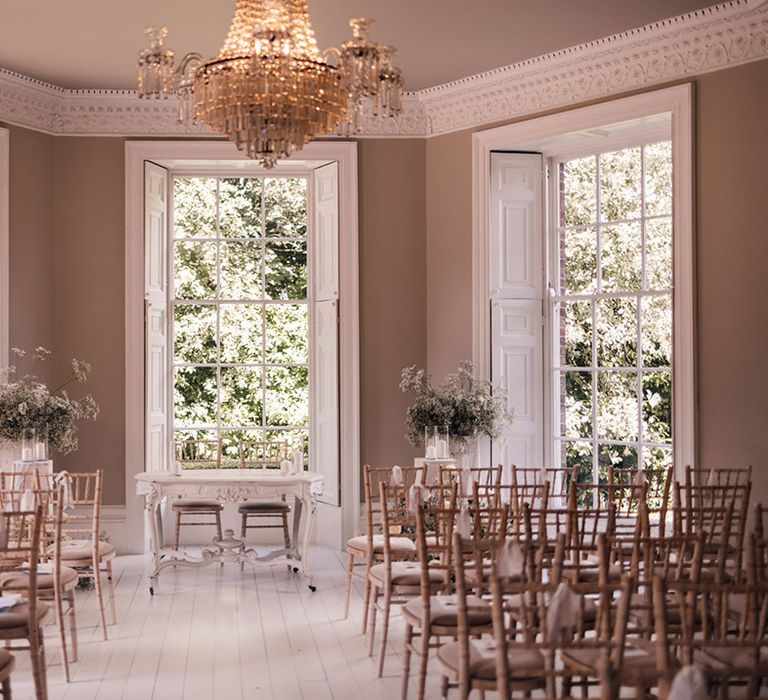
<point x="26" y="403"/>
<point x="468" y="406"/>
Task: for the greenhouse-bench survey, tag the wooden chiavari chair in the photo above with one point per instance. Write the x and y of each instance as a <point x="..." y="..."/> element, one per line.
<point x="464" y="477"/>
<point x="263" y="454"/>
<point x="718" y="476"/>
<point x="559" y="478"/>
<point x="526" y="655"/>
<point x="82" y="548"/>
<point x="433" y="614"/>
<point x="59" y="582"/>
<point x="20" y="539"/>
<point x="197" y="454"/>
<point x="369" y="547"/>
<point x="397" y="580"/>
<point x="733" y="655"/>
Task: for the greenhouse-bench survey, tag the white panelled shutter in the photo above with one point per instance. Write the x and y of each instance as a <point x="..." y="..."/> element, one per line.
<point x="516" y="284"/>
<point x="324" y="376"/>
<point x="158" y="423"/>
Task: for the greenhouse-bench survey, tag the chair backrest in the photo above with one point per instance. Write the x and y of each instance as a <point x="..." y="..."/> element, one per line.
<point x="484" y="476"/>
<point x="372" y="477"/>
<point x="721" y="625"/>
<point x="262" y="454"/>
<point x="81" y="496"/>
<point x="198" y="454"/>
<point x="559" y="479"/>
<point x="20" y="544"/>
<point x="536" y="629"/>
<point x="718" y="476"/>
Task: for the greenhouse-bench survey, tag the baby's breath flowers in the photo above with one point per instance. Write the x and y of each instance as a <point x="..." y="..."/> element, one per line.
<point x="26" y="403"/>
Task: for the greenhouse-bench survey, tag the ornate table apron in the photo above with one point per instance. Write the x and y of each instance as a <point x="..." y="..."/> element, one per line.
<point x="230" y="486"/>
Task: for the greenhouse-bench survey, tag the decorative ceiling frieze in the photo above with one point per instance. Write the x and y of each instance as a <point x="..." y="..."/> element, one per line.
<point x="724" y="35"/>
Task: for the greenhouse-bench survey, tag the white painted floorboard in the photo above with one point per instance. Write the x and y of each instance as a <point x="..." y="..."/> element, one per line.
<point x="221" y="634"/>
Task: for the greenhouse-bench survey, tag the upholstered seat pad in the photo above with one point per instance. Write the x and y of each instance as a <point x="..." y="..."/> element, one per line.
<point x="195" y="504"/>
<point x="404" y="573"/>
<point x="18" y="615"/>
<point x="443" y="611"/>
<point x="639" y="661"/>
<point x="84" y="551"/>
<point x="19" y="580"/>
<point x="725" y="658"/>
<point x="256" y="506"/>
<point x="397" y="544"/>
<point x="523" y="663"/>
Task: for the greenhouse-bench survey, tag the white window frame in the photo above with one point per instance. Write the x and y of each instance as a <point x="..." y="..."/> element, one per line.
<point x="543" y="133"/>
<point x="5" y="249"/>
<point x="334" y="524"/>
<point x="303" y="174"/>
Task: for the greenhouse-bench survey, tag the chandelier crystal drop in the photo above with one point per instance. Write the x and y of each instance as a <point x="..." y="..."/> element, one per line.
<point x="270" y="90"/>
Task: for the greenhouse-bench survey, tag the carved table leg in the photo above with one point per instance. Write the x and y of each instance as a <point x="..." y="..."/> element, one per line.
<point x="308" y="507"/>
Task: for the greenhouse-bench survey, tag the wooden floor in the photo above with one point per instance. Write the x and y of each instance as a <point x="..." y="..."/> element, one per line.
<point x="219" y="633"/>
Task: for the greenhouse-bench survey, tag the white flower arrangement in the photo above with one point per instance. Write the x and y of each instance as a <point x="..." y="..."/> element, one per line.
<point x="26" y="403"/>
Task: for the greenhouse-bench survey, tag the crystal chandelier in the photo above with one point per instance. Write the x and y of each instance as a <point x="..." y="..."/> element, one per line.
<point x="270" y="90"/>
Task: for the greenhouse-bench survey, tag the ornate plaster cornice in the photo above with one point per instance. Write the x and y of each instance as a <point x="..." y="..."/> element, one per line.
<point x="721" y="36"/>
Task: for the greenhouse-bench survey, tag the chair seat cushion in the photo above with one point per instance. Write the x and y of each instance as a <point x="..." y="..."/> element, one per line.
<point x="195" y="505"/>
<point x="724" y="659"/>
<point x="404" y="573"/>
<point x="443" y="611"/>
<point x="397" y="544"/>
<point x="638" y="663"/>
<point x="19" y="580"/>
<point x="523" y="663"/>
<point x="257" y="506"/>
<point x="18" y="616"/>
<point x="83" y="551"/>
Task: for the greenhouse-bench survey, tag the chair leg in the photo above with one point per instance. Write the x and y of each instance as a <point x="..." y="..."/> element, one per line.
<point x="62" y="632"/>
<point x="372" y="609"/>
<point x="423" y="661"/>
<point x="406" y="662"/>
<point x="286" y="534"/>
<point x="6" y="689"/>
<point x="178" y="530"/>
<point x="444" y="688"/>
<point x="99" y="594"/>
<point x="243" y="526"/>
<point x="218" y="524"/>
<point x="38" y="663"/>
<point x="348" y="584"/>
<point x="72" y="623"/>
<point x="111" y="581"/>
<point x="385" y="629"/>
<point x="366" y="599"/>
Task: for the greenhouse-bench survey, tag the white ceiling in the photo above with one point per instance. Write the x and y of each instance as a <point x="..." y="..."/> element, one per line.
<point x="94" y="43"/>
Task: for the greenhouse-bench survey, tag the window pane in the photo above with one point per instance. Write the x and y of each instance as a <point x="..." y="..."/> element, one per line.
<point x="658" y="254"/>
<point x="194" y="327"/>
<point x="287" y="332"/>
<point x="287" y="395"/>
<point x="241" y="329"/>
<point x="657" y="458"/>
<point x="194" y="270"/>
<point x="285" y="201"/>
<point x="617" y="332"/>
<point x="286" y="270"/>
<point x="657" y="407"/>
<point x="619" y="456"/>
<point x="195" y="396"/>
<point x="621" y="258"/>
<point x="656" y="319"/>
<point x="194" y="207"/>
<point x="617" y="405"/>
<point x="579" y="262"/>
<point x="241" y="271"/>
<point x="620" y="185"/>
<point x="240" y="207"/>
<point x="578" y="404"/>
<point x="575" y="333"/>
<point x="658" y="178"/>
<point x="578" y="201"/>
<point x="578" y="454"/>
<point x="241" y="396"/>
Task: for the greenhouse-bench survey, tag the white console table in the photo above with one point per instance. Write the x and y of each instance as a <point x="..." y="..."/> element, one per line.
<point x="231" y="486"/>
